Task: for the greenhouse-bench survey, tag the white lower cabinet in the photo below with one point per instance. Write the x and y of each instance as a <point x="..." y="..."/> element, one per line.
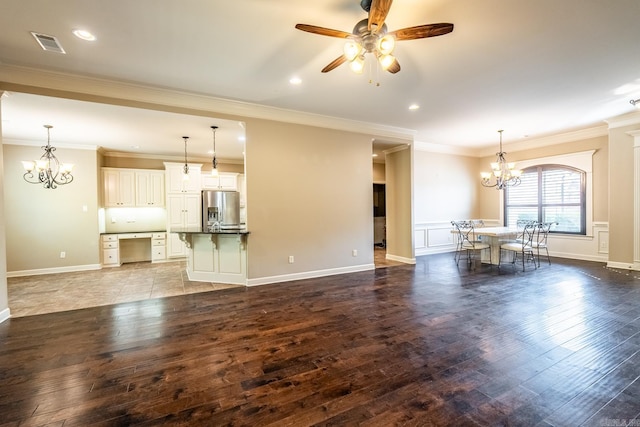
<point x="110" y="250"/>
<point x="158" y="247"/>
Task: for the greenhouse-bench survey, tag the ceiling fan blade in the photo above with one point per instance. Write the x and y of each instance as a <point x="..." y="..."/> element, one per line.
<point x="394" y="67"/>
<point x="378" y="13"/>
<point x="323" y="31"/>
<point x="335" y="63"/>
<point x="422" y="31"/>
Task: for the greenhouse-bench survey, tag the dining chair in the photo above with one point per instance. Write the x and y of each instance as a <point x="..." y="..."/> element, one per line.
<point x="467" y="242"/>
<point x="524" y="246"/>
<point x="540" y="241"/>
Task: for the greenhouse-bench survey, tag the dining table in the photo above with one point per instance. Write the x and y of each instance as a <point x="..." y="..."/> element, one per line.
<point x="494" y="236"/>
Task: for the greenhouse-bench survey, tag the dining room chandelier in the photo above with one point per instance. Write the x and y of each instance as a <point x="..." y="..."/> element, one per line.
<point x="503" y="174"/>
<point x="214" y="161"/>
<point x="48" y="170"/>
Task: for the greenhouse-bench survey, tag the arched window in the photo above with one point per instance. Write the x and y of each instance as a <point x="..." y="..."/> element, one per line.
<point x="549" y="193"/>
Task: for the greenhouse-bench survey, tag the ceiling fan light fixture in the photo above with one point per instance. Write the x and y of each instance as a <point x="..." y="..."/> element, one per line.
<point x="386" y="44"/>
<point x="357" y="65"/>
<point x="352" y="49"/>
<point x="386" y="61"/>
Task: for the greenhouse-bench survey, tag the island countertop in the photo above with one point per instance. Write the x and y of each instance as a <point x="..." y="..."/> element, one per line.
<point x="199" y="230"/>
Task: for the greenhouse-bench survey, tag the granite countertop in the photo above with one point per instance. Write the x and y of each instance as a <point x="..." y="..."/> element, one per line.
<point x="199" y="230"/>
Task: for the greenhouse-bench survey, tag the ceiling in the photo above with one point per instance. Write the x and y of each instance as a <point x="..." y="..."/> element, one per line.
<point x="532" y="68"/>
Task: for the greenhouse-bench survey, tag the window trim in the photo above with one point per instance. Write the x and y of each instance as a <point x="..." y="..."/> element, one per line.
<point x="582" y="160"/>
<point x="538" y="169"/>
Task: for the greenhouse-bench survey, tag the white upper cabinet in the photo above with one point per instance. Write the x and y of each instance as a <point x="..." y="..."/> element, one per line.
<point x="176" y="182"/>
<point x="224" y="181"/>
<point x="149" y="188"/>
<point x="118" y="187"/>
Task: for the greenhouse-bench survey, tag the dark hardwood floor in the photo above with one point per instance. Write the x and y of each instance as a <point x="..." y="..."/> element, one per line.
<point x="419" y="345"/>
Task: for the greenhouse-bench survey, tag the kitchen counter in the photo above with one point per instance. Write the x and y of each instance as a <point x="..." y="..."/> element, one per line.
<point x="215" y="256"/>
<point x="199" y="230"/>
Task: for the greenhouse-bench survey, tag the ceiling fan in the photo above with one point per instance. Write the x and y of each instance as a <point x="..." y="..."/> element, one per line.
<point x="370" y="36"/>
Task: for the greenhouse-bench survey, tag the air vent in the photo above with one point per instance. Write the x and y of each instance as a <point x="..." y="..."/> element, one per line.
<point x="48" y="43"/>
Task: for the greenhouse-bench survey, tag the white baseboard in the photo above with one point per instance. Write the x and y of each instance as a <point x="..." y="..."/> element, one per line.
<point x="53" y="270"/>
<point x="621" y="265"/>
<point x="401" y="259"/>
<point x="309" y="275"/>
<point x="4" y="315"/>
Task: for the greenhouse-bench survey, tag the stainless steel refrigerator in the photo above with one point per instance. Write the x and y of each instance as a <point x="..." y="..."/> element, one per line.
<point x="220" y="210"/>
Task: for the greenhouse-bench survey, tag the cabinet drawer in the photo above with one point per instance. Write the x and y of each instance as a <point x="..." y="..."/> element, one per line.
<point x="158" y="242"/>
<point x="110" y="256"/>
<point x="158" y="236"/>
<point x="135" y="236"/>
<point x="158" y="253"/>
<point x="109" y="237"/>
<point x="110" y="245"/>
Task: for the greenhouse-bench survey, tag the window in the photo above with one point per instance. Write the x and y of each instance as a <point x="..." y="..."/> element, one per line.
<point x="549" y="193"/>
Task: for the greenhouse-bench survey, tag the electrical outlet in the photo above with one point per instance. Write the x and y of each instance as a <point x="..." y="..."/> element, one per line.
<point x="290" y="259"/>
<point x="63" y="254"/>
<point x="354" y="252"/>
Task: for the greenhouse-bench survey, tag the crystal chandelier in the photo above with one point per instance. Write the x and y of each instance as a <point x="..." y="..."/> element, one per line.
<point x="504" y="174"/>
<point x="48" y="170"/>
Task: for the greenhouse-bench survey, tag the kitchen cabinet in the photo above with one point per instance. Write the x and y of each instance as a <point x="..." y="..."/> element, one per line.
<point x="118" y="187"/>
<point x="149" y="188"/>
<point x="110" y="251"/>
<point x="183" y="210"/>
<point x="158" y="247"/>
<point x="224" y="181"/>
<point x="175" y="179"/>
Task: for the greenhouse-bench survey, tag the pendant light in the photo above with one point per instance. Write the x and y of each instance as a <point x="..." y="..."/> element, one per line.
<point x="185" y="168"/>
<point x="214" y="161"/>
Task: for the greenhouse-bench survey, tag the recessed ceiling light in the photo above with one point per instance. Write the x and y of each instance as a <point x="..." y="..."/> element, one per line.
<point x="242" y="139"/>
<point x="374" y="155"/>
<point x="84" y="35"/>
<point x="295" y="81"/>
<point x="413" y="107"/>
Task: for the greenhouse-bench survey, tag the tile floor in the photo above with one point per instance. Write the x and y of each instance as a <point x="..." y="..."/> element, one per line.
<point x="50" y="293"/>
<point x="138" y="281"/>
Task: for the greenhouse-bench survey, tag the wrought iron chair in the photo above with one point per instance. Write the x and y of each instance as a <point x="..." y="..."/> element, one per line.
<point x="524" y="247"/>
<point x="540" y="241"/>
<point x="467" y="242"/>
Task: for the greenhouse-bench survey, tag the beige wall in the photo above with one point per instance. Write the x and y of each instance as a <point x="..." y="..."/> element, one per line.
<point x="445" y="187"/>
<point x="41" y="223"/>
<point x="399" y="194"/>
<point x="309" y="195"/>
<point x="489" y="200"/>
<point x="4" y="298"/>
<point x="158" y="164"/>
<point x="378" y="173"/>
<point x="621" y="195"/>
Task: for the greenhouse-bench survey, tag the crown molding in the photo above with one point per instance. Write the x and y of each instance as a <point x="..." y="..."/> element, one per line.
<point x="40" y="144"/>
<point x="622" y="120"/>
<point x="178" y="159"/>
<point x="51" y="83"/>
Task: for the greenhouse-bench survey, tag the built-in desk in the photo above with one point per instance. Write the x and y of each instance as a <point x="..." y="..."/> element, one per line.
<point x="215" y="256"/>
<point x="120" y="248"/>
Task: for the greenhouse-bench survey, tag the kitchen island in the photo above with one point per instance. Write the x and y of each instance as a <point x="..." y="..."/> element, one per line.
<point x="215" y="256"/>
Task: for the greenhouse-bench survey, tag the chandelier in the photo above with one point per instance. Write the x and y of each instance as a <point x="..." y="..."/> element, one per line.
<point x="48" y="170"/>
<point x="214" y="161"/>
<point x="503" y="173"/>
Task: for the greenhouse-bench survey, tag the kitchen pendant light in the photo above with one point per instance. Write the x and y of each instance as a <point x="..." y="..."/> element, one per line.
<point x="214" y="162"/>
<point x="185" y="168"/>
<point x="49" y="171"/>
